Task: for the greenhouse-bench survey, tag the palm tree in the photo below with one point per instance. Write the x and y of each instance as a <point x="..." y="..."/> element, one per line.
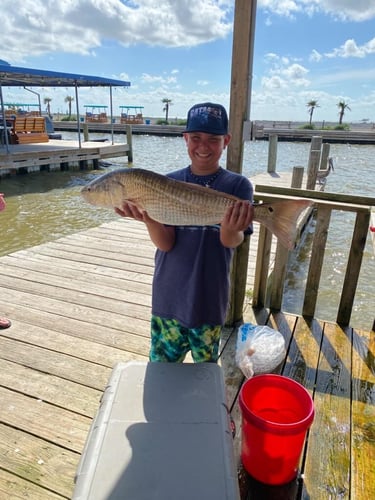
<point x="167" y="102"/>
<point x="311" y="105"/>
<point x="342" y="107"/>
<point x="47" y="101"/>
<point x="69" y="99"/>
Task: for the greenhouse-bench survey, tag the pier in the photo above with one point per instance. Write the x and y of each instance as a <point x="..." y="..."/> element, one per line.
<point x="60" y="155"/>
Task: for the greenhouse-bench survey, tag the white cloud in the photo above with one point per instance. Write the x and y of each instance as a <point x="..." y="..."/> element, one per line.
<point x="351" y="49"/>
<point x="315" y="56"/>
<point x="358" y="10"/>
<point x="284" y="74"/>
<point x="79" y="26"/>
<point x="146" y="78"/>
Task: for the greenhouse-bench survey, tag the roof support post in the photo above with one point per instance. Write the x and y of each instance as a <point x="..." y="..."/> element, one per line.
<point x="78" y="119"/>
<point x="111" y="109"/>
<point x="4" y="119"/>
<point x="240" y="97"/>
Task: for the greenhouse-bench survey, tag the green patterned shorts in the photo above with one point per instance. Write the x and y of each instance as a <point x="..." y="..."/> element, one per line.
<point x="170" y="341"/>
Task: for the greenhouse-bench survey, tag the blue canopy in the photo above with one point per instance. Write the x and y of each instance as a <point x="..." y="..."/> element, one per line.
<point x="14" y="76"/>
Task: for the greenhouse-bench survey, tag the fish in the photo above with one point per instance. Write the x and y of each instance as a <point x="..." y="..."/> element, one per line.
<point x="179" y="203"/>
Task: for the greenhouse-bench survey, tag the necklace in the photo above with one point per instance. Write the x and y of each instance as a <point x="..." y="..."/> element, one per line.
<point x="205" y="180"/>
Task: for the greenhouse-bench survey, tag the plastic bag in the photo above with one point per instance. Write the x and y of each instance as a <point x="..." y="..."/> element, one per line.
<point x="259" y="349"/>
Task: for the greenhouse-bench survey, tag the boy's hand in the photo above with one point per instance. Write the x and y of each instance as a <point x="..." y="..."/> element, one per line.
<point x="131" y="210"/>
<point x="238" y="217"/>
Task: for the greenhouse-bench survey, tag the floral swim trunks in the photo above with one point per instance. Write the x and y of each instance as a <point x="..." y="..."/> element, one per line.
<point x="170" y="341"/>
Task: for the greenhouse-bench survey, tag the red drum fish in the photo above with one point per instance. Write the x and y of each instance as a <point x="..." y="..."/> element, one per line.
<point x="181" y="203"/>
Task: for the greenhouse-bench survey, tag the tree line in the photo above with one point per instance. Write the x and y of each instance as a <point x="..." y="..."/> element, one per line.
<point x="342" y="105"/>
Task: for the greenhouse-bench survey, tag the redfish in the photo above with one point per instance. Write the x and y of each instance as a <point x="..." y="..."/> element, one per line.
<point x="180" y="203"/>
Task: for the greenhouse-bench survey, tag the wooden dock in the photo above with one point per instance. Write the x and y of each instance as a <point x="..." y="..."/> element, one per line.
<point x="82" y="303"/>
<point x="59" y="155"/>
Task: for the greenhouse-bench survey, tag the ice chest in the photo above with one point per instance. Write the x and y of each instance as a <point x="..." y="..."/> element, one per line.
<point x="162" y="432"/>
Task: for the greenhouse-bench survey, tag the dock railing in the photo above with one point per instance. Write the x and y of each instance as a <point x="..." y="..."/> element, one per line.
<point x="270" y="286"/>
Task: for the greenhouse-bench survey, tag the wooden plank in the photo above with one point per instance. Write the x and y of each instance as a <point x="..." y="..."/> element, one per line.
<point x="37" y="461"/>
<point x="79" y="292"/>
<point x="262" y="267"/>
<point x="50" y="389"/>
<point x="43" y="272"/>
<point x="14" y="487"/>
<point x="69" y="269"/>
<point x="316" y="262"/>
<point x="54" y="363"/>
<point x="353" y="268"/>
<point x="339" y="199"/>
<point x="327" y="463"/>
<point x="278" y="277"/>
<point x="37" y="417"/>
<point x="117" y="331"/>
<point x="363" y="416"/>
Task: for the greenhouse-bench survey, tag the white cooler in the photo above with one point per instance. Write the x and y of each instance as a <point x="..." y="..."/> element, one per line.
<point x="162" y="432"/>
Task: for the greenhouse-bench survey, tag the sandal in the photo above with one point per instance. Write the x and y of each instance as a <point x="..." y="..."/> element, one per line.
<point x="4" y="323"/>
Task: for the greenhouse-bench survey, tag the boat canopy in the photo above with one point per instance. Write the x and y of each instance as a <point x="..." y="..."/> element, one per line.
<point x="14" y="76"/>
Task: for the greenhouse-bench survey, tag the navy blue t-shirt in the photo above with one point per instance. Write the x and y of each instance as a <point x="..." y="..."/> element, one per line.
<point x="191" y="281"/>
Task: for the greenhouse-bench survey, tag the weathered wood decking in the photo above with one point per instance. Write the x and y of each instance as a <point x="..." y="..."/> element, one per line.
<point x="80" y="304"/>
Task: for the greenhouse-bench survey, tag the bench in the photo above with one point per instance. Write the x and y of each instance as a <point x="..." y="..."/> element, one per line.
<point x="28" y="130"/>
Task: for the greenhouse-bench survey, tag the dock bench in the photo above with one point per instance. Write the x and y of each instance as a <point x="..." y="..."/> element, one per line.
<point x="29" y="130"/>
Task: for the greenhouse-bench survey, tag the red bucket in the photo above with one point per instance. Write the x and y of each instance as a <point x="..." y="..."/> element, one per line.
<point x="276" y="414"/>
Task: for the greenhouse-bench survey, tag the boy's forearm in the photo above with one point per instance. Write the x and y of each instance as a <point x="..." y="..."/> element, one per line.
<point x="163" y="237"/>
<point x="231" y="239"/>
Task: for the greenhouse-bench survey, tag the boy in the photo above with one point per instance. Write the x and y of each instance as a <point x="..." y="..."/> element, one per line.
<point x="192" y="263"/>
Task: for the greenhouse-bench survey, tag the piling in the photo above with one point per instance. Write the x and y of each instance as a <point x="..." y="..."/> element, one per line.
<point x="272" y="154"/>
<point x="314" y="161"/>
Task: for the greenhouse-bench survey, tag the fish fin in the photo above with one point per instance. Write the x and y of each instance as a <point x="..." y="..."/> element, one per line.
<point x="281" y="219"/>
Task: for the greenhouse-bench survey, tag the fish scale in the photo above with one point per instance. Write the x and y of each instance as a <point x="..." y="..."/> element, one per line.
<point x="180" y="203"/>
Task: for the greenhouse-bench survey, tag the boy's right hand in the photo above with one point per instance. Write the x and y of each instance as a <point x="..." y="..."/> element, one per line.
<point x="131" y="210"/>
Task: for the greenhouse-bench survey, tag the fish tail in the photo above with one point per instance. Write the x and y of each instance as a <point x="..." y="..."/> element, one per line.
<point x="281" y="219"/>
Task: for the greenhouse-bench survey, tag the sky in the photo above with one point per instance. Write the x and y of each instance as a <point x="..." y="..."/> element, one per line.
<point x="304" y="50"/>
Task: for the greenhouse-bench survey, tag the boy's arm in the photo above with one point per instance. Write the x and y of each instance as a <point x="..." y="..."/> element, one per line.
<point x="163" y="237"/>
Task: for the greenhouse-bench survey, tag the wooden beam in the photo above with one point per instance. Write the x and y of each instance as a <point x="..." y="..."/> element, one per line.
<point x="242" y="55"/>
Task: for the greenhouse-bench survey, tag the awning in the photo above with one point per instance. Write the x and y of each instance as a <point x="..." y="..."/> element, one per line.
<point x="14" y="76"/>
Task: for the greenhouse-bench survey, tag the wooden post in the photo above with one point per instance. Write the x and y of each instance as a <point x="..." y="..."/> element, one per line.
<point x="325" y="156"/>
<point x="297" y="177"/>
<point x="281" y="256"/>
<point x="129" y="140"/>
<point x="241" y="78"/>
<point x="354" y="267"/>
<point x="323" y="217"/>
<point x="272" y="153"/>
<point x="314" y="161"/>
<point x="86" y="132"/>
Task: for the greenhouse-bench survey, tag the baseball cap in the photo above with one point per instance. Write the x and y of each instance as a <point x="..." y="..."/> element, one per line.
<point x="207" y="117"/>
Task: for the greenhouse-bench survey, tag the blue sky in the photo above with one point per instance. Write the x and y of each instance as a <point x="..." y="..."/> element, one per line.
<point x="322" y="50"/>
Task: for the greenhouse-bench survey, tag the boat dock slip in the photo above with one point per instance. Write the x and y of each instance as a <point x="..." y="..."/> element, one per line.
<point x="81" y="304"/>
<point x="59" y="155"/>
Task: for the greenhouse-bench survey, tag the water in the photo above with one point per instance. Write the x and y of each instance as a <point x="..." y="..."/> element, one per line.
<point x="42" y="207"/>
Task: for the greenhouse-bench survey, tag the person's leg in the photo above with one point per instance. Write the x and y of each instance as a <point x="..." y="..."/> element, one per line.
<point x="204" y="343"/>
<point x="4" y="323"/>
<point x="169" y="340"/>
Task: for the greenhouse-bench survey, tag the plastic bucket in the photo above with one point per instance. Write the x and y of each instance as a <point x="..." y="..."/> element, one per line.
<point x="276" y="414"/>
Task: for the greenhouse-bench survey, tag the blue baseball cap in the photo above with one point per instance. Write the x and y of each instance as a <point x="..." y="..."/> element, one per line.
<point x="207" y="117"/>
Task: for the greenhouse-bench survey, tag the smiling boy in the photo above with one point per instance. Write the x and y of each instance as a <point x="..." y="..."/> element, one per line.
<point x="192" y="263"/>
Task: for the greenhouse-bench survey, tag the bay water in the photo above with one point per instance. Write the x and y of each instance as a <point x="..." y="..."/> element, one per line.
<point x="45" y="206"/>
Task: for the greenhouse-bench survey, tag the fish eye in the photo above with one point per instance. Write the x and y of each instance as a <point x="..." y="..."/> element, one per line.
<point x="270" y="209"/>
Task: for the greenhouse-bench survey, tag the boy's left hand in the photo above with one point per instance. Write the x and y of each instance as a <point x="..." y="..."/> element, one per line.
<point x="238" y="217"/>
